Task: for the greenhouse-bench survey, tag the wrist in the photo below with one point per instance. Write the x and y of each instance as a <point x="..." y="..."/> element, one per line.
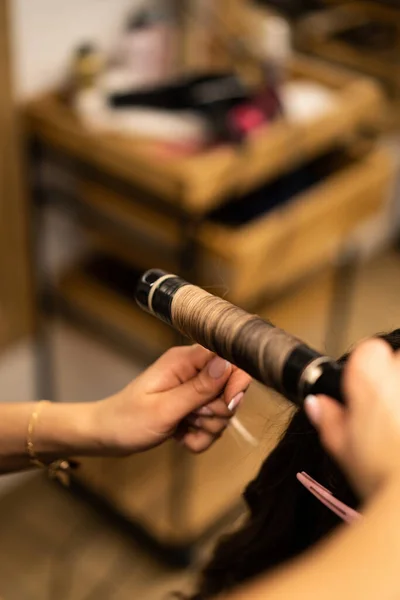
<point x="108" y="431"/>
<point x="65" y="430"/>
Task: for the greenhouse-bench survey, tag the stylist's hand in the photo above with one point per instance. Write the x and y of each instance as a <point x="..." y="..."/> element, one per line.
<point x="188" y="393"/>
<point x="364" y="438"/>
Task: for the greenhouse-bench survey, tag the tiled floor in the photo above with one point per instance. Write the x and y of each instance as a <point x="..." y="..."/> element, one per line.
<point x="52" y="545"/>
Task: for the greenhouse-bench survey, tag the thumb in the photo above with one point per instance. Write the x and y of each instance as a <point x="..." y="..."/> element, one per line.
<point x="205" y="387"/>
<point x="329" y="418"/>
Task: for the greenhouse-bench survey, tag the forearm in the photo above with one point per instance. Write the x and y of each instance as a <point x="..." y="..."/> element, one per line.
<point x="360" y="561"/>
<point x="62" y="430"/>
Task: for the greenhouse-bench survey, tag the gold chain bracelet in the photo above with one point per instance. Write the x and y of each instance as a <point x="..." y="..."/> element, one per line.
<point x="59" y="469"/>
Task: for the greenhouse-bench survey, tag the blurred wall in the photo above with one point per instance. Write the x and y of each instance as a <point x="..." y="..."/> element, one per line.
<point x="44" y="31"/>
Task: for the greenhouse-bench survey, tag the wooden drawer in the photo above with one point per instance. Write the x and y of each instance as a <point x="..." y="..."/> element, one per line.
<point x="150" y="236"/>
<point x="272" y="251"/>
<point x="93" y="295"/>
<point x="275" y="248"/>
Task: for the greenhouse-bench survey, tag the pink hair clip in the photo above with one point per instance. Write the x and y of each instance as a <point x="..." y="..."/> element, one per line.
<point x="328" y="499"/>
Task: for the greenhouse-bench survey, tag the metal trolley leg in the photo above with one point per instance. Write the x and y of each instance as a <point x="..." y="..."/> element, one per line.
<point x="43" y="356"/>
<point x="345" y="279"/>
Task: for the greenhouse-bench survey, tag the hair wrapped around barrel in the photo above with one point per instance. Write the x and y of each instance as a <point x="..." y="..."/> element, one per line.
<point x="269" y="354"/>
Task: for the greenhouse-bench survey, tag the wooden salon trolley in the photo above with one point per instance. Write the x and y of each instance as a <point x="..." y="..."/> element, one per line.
<point x="140" y="212"/>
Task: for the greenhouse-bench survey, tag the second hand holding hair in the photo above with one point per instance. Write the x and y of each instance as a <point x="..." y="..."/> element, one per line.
<point x="365" y="439"/>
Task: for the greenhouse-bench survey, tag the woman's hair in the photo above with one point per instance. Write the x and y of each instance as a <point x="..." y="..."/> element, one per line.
<point x="284" y="518"/>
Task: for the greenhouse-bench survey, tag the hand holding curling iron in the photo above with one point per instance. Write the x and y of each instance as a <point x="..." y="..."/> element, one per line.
<point x="364" y="437"/>
<point x="188" y="393"/>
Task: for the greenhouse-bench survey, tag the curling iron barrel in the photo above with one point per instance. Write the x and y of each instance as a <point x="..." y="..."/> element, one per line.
<point x="267" y="353"/>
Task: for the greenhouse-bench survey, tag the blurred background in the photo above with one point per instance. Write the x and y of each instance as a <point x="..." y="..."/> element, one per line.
<point x="251" y="147"/>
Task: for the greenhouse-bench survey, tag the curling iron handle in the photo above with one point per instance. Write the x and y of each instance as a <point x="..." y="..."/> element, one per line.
<point x="330" y="383"/>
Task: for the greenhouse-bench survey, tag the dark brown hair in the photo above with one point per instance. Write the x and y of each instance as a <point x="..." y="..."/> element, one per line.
<point x="284" y="518"/>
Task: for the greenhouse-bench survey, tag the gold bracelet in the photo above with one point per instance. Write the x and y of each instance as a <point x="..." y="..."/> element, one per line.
<point x="58" y="469"/>
<point x="30" y="448"/>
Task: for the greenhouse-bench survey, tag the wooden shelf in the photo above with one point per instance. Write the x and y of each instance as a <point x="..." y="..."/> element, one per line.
<point x="273" y="251"/>
<point x="242" y="260"/>
<point x="199" y="183"/>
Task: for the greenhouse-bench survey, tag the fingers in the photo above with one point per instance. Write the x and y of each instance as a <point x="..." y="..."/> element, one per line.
<point x="199" y="434"/>
<point x="368" y="374"/>
<point x="233" y="395"/>
<point x="210" y="421"/>
<point x="368" y="378"/>
<point x="187" y="361"/>
<point x="199" y="441"/>
<point x="178" y="365"/>
<point x="203" y="429"/>
<point x="213" y="425"/>
<point x="200" y="390"/>
<point x="197" y="387"/>
<point x="216" y="408"/>
<point x="329" y="418"/>
<point x="362" y="435"/>
<point x="237" y="385"/>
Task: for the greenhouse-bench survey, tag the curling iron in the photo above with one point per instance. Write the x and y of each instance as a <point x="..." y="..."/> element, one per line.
<point x="267" y="353"/>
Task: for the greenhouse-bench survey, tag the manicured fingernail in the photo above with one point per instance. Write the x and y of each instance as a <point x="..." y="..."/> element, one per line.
<point x="217" y="367"/>
<point x="205" y="412"/>
<point x="234" y="403"/>
<point x="312" y="407"/>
